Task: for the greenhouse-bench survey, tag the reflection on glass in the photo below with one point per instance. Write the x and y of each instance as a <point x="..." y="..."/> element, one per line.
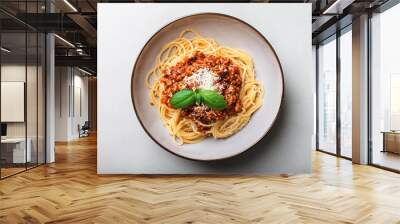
<point x="327" y="97"/>
<point x="346" y="94"/>
<point x="386" y="89"/>
<point x="22" y="91"/>
<point x="14" y="153"/>
<point x="31" y="100"/>
<point x="41" y="98"/>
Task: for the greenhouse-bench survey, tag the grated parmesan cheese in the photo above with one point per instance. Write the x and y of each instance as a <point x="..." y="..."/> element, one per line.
<point x="203" y="78"/>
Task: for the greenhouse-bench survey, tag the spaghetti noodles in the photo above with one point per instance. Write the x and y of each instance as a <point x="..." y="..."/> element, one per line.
<point x="180" y="64"/>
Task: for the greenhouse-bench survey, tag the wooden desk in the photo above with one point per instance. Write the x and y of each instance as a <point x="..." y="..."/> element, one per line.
<point x="391" y="141"/>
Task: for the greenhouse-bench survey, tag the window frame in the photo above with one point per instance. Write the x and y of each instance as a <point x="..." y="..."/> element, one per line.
<point x="381" y="9"/>
<point x="336" y="36"/>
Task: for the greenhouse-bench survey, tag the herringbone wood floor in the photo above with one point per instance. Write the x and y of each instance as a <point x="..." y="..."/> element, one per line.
<point x="70" y="191"/>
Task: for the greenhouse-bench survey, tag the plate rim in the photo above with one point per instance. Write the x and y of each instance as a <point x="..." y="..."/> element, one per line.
<point x="205" y="14"/>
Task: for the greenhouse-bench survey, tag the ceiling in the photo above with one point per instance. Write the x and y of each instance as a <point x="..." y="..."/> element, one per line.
<point x="76" y="21"/>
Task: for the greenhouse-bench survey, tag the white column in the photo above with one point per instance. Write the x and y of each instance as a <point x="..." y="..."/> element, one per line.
<point x="50" y="100"/>
<point x="360" y="90"/>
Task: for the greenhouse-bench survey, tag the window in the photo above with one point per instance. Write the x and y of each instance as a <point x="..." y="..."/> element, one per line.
<point x="334" y="58"/>
<point x="346" y="93"/>
<point x="385" y="89"/>
<point x="394" y="101"/>
<point x="327" y="96"/>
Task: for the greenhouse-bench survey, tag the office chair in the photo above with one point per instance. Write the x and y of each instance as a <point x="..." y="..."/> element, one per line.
<point x="84" y="130"/>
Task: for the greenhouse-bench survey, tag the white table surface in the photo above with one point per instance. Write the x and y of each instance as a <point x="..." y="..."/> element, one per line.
<point x="19" y="148"/>
<point x="12" y="140"/>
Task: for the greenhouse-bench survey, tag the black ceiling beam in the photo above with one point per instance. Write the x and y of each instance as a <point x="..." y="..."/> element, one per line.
<point x="49" y="22"/>
<point x="11" y="25"/>
<point x="90" y="70"/>
<point x="81" y="61"/>
<point x="323" y="23"/>
<point x="332" y="29"/>
<point x="385" y="5"/>
<point x="86" y="26"/>
<point x="18" y="22"/>
<point x="65" y="51"/>
<point x="91" y="5"/>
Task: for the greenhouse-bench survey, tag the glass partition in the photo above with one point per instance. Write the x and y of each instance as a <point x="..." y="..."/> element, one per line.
<point x="41" y="97"/>
<point x="14" y="155"/>
<point x="32" y="95"/>
<point x="23" y="89"/>
<point x="327" y="96"/>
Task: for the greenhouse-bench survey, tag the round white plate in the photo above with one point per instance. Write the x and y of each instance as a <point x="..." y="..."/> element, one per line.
<point x="227" y="31"/>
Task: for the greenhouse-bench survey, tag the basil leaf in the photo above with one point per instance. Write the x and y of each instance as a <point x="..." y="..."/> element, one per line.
<point x="212" y="99"/>
<point x="183" y="98"/>
<point x="199" y="98"/>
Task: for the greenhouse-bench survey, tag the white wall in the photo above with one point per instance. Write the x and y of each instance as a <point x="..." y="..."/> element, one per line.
<point x="12" y="101"/>
<point x="14" y="72"/>
<point x="69" y="84"/>
<point x="62" y="81"/>
<point x="79" y="117"/>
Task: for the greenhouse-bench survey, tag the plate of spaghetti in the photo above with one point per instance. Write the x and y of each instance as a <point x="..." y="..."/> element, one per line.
<point x="207" y="86"/>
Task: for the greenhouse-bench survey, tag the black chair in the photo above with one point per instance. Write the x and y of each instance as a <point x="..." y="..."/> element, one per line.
<point x="84" y="130"/>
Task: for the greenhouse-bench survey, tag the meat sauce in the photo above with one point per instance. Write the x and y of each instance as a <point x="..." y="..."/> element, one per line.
<point x="228" y="83"/>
